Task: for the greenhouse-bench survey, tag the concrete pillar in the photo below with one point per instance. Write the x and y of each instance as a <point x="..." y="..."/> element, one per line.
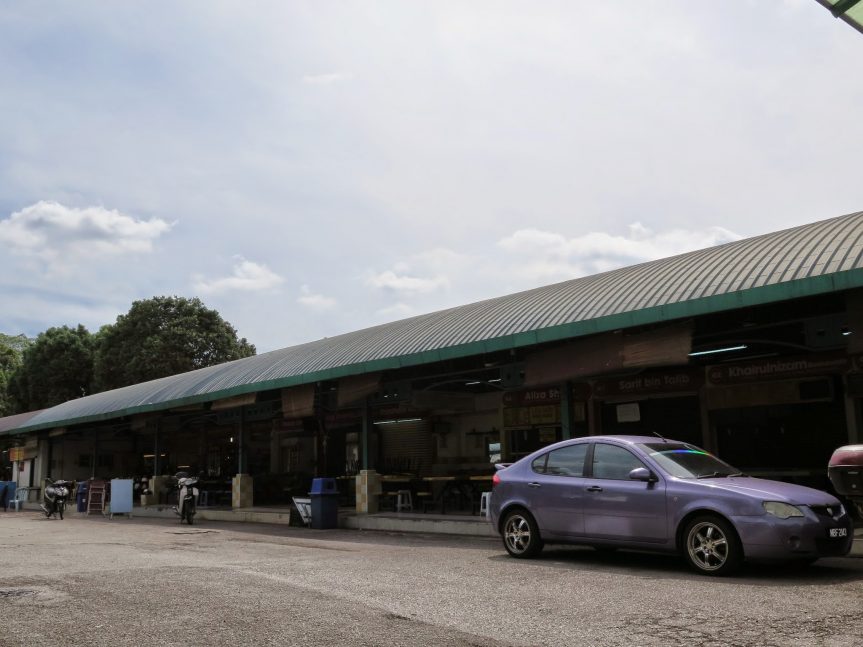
<point x="242" y="491"/>
<point x="368" y="484"/>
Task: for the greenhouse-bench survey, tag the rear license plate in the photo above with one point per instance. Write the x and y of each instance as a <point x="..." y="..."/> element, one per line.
<point x="838" y="532"/>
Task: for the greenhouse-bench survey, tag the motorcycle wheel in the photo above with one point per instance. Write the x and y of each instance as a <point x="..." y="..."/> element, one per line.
<point x="190" y="512"/>
<point x="60" y="508"/>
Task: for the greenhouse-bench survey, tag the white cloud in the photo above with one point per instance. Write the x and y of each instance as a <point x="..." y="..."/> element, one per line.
<point x="324" y="79"/>
<point x="525" y="259"/>
<point x="547" y="256"/>
<point x="403" y="283"/>
<point x="247" y="277"/>
<point x="54" y="232"/>
<point x="396" y="311"/>
<point x="315" y="301"/>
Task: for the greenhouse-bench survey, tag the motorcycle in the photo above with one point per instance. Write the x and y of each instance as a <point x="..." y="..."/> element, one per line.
<point x="845" y="470"/>
<point x="187" y="496"/>
<point x="55" y="497"/>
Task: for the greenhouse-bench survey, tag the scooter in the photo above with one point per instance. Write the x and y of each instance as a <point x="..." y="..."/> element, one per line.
<point x="187" y="495"/>
<point x="55" y="497"/>
<point x="846" y="473"/>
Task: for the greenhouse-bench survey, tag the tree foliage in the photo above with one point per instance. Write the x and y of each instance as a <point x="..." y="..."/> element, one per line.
<point x="164" y="336"/>
<point x="11" y="349"/>
<point x="56" y="367"/>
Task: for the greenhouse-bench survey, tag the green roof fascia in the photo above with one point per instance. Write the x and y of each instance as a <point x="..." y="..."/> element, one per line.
<point x="799" y="288"/>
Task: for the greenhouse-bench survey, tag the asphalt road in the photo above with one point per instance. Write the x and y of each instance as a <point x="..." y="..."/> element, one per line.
<point x="90" y="581"/>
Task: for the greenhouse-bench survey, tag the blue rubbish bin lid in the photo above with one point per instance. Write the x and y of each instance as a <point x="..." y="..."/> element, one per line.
<point x="324" y="486"/>
<point x="82" y="487"/>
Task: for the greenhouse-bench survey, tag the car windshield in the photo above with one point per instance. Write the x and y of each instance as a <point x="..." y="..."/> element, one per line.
<point x="688" y="461"/>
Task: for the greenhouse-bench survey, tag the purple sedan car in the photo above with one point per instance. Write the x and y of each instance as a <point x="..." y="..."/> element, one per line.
<point x="649" y="493"/>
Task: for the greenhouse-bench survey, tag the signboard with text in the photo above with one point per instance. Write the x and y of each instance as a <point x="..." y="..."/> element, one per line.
<point x="778" y="369"/>
<point x="680" y="381"/>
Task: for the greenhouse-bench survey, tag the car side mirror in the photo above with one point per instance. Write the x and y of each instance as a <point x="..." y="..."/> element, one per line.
<point x="642" y="474"/>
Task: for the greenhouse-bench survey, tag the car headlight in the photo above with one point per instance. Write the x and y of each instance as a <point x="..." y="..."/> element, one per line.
<point x="782" y="510"/>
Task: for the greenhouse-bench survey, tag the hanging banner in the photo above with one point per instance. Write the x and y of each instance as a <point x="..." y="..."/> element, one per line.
<point x="298" y="401"/>
<point x="236" y="401"/>
<point x="609" y="353"/>
<point x="355" y="389"/>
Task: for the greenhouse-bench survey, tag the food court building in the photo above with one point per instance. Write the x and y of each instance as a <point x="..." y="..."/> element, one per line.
<point x="753" y="349"/>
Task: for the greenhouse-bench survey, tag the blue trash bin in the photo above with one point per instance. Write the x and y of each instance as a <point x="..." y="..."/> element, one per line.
<point x="325" y="503"/>
<point x="81" y="496"/>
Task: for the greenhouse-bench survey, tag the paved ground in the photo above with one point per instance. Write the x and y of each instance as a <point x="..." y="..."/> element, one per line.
<point x="90" y="581"/>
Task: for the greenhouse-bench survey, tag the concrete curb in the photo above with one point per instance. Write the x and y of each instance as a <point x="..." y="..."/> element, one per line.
<point x="429" y="524"/>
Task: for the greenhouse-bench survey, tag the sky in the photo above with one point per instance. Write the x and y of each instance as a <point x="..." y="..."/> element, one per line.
<point x="312" y="168"/>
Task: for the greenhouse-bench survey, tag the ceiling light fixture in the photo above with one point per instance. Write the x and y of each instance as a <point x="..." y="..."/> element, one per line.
<point x="392" y="422"/>
<point x="718" y="350"/>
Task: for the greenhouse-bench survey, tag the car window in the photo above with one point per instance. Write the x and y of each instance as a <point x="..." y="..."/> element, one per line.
<point x="613" y="462"/>
<point x="567" y="461"/>
<point x="538" y="464"/>
<point x="688" y="461"/>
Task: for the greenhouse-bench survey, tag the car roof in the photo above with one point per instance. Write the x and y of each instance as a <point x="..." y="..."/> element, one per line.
<point x="629" y="439"/>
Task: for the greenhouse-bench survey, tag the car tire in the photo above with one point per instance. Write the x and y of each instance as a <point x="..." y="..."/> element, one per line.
<point x="711" y="546"/>
<point x="521" y="534"/>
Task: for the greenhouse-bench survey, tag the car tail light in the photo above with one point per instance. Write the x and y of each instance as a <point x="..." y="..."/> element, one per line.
<point x="495" y="480"/>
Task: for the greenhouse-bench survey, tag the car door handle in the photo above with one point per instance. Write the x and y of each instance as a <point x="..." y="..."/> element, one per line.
<point x="594" y="488"/>
<point x="534" y="484"/>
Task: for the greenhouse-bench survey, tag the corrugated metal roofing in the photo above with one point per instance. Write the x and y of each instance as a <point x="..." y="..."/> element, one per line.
<point x="13" y="422"/>
<point x="812" y="259"/>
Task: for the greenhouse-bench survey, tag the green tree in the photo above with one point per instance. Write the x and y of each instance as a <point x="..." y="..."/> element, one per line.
<point x="11" y="349"/>
<point x="56" y="367"/>
<point x="164" y="336"/>
<point x="8" y="362"/>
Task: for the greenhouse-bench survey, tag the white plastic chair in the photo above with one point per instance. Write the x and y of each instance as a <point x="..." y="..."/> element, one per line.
<point x="483" y="504"/>
<point x="18" y="498"/>
<point x="404" y="501"/>
<point x="304" y="507"/>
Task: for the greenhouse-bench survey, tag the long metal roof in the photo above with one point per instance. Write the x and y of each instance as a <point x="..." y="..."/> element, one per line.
<point x="13" y="422"/>
<point x="812" y="259"/>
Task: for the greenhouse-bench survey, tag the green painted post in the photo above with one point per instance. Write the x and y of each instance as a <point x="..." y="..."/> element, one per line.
<point x="241" y="454"/>
<point x="365" y="436"/>
<point x="156" y="450"/>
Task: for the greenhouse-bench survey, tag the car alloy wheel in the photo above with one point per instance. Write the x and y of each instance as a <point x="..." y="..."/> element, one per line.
<point x="521" y="535"/>
<point x="712" y="546"/>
